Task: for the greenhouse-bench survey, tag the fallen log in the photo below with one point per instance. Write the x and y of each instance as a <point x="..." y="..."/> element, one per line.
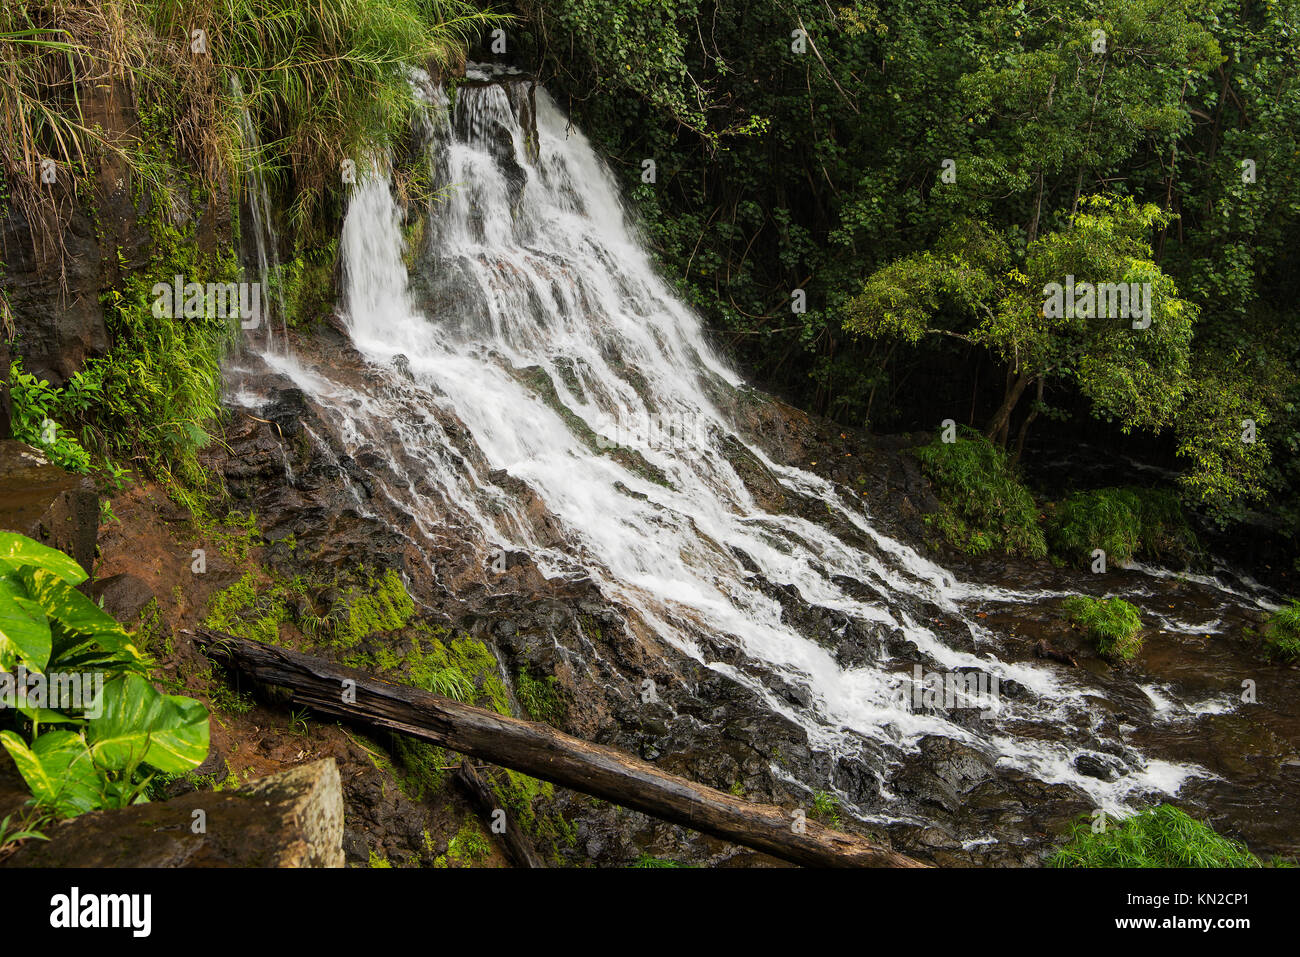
<point x="543" y="752"/>
<point x="521" y="851"/>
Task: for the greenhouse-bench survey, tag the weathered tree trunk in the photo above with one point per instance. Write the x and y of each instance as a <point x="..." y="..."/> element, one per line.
<point x="520" y="848"/>
<point x="545" y="753"/>
<point x="996" y="432"/>
<point x="1024" y="426"/>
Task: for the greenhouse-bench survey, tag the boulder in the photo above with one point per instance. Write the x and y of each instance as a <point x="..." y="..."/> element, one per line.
<point x="290" y="819"/>
<point x="47" y="503"/>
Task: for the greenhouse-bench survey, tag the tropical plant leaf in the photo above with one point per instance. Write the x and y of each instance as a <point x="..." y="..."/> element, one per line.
<point x="75" y="652"/>
<point x="71" y="608"/>
<point x="19" y="550"/>
<point x="141" y="725"/>
<point x="49" y="716"/>
<point x="84" y="636"/>
<point x="24" y="629"/>
<point x="58" y="769"/>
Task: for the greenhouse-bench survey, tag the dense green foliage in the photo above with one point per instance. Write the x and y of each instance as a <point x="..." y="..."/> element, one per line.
<point x="1144" y="140"/>
<point x="1282" y="633"/>
<point x="1112" y="623"/>
<point x="983" y="506"/>
<point x="38" y="409"/>
<point x="1123" y="522"/>
<point x="1162" y="836"/>
<point x="971" y="289"/>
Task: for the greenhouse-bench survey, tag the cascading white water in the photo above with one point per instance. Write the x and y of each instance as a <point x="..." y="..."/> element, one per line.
<point x="263" y="232"/>
<point x="534" y="266"/>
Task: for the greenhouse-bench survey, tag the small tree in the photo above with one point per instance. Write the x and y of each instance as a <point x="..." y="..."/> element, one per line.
<point x="1129" y="354"/>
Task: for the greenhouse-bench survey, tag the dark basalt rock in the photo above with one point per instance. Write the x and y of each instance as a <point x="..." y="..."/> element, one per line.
<point x="1101" y="766"/>
<point x="58" y="321"/>
<point x="945" y="771"/>
<point x="122" y="596"/>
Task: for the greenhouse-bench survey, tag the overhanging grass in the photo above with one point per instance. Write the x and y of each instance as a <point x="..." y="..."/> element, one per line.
<point x="322" y="81"/>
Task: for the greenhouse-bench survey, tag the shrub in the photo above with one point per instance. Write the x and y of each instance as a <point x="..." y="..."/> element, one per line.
<point x="1123" y="522"/>
<point x="983" y="505"/>
<point x="160" y="389"/>
<point x="1282" y="633"/>
<point x="1162" y="836"/>
<point x="40" y="414"/>
<point x="1112" y="623"/>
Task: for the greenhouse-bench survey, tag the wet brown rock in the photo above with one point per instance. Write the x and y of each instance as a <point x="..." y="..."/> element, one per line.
<point x="47" y="503"/>
<point x="290" y="819"/>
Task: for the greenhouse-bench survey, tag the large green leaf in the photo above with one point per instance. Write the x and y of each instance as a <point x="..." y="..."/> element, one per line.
<point x="58" y="769"/>
<point x="49" y="716"/>
<point x="75" y="611"/>
<point x="139" y="724"/>
<point x="73" y="651"/>
<point x="24" y="629"/>
<point x="85" y="637"/>
<point x="19" y="550"/>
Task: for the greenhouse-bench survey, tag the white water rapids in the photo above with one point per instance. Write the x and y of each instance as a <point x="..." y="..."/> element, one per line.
<point x="535" y="264"/>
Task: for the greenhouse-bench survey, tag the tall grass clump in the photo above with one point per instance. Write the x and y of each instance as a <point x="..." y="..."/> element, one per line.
<point x="1161" y="836"/>
<point x="323" y="81"/>
<point x="1282" y="633"/>
<point x="983" y="505"/>
<point x="1123" y="522"/>
<point x="1112" y="623"/>
<point x="52" y="55"/>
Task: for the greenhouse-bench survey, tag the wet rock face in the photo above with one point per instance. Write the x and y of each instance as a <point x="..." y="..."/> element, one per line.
<point x="6" y="402"/>
<point x="475" y="125"/>
<point x="945" y="773"/>
<point x="55" y="270"/>
<point x="621" y="686"/>
<point x="350" y="503"/>
<point x="57" y="326"/>
<point x="290" y="819"/>
<point x="44" y="502"/>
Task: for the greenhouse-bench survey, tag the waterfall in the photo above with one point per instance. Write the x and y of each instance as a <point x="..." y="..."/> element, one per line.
<point x="533" y="314"/>
<point x="264" y="238"/>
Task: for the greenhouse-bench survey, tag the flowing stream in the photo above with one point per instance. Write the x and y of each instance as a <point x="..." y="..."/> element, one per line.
<point x="531" y="313"/>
